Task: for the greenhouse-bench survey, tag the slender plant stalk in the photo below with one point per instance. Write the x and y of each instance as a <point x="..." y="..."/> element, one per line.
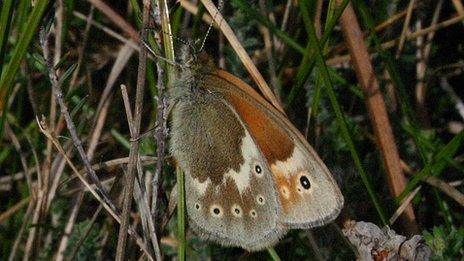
<point x="181" y="242"/>
<point x="134" y="152"/>
<point x="341" y="120"/>
<point x="273" y="254"/>
<point x="169" y="53"/>
<point x="377" y="111"/>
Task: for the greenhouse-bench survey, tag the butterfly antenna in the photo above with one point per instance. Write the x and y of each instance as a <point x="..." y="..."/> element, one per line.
<point x="220" y="5"/>
<point x="173" y="63"/>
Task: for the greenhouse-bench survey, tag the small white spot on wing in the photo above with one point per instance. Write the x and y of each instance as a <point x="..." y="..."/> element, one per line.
<point x="291" y="165"/>
<point x="200" y="186"/>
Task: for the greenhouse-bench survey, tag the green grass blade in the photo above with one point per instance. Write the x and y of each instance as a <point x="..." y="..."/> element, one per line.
<point x="273" y="254"/>
<point x="181" y="243"/>
<point x="405" y="104"/>
<point x="341" y="120"/>
<point x="25" y="37"/>
<point x="255" y="14"/>
<point x="5" y="22"/>
<point x="436" y="166"/>
<point x="307" y="63"/>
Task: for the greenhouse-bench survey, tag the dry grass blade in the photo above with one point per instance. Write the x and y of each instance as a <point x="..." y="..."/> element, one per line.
<point x="13" y="209"/>
<point x="389" y="44"/>
<point x="241" y="52"/>
<point x="141" y="195"/>
<point x="69" y="226"/>
<point x="376" y="107"/>
<point x="108" y="206"/>
<point x="116" y="18"/>
<point x="135" y="130"/>
<point x="446" y="188"/>
<point x="406" y="24"/>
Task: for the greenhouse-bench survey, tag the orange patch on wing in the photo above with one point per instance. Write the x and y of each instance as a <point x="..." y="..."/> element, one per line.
<point x="287" y="191"/>
<point x="271" y="139"/>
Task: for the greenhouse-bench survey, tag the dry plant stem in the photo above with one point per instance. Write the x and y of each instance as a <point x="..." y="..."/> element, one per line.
<point x="116" y="18"/>
<point x="161" y="133"/>
<point x="392" y="19"/>
<point x="15" y="247"/>
<point x="22" y="157"/>
<point x="77" y="245"/>
<point x="105" y="100"/>
<point x="59" y="17"/>
<point x="268" y="48"/>
<point x="140" y="195"/>
<point x="407" y="200"/>
<point x="109" y="206"/>
<point x="108" y="31"/>
<point x="71" y="127"/>
<point x="192" y="8"/>
<point x="318" y="18"/>
<point x="246" y="60"/>
<point x="344" y="58"/>
<point x="458" y="104"/>
<point x="69" y="226"/>
<point x="380" y="27"/>
<point x="81" y="49"/>
<point x="13" y="209"/>
<point x="405" y="30"/>
<point x="445" y="187"/>
<point x="313" y="244"/>
<point x="134" y="150"/>
<point x="288" y="8"/>
<point x="423" y="53"/>
<point x="458" y="6"/>
<point x="376" y="107"/>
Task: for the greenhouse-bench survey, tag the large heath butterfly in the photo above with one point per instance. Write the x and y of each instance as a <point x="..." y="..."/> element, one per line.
<point x="249" y="173"/>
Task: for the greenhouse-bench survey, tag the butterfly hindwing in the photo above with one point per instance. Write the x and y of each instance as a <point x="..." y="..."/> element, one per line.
<point x="308" y="194"/>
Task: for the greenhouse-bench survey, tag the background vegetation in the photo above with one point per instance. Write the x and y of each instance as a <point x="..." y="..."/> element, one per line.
<point x="62" y="62"/>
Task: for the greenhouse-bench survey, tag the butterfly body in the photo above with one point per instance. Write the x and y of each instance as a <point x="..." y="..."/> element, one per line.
<point x="248" y="177"/>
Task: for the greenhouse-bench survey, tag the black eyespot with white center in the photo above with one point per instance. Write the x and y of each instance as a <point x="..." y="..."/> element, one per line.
<point x="258" y="169"/>
<point x="260" y="200"/>
<point x="253" y="213"/>
<point x="216" y="210"/>
<point x="236" y="210"/>
<point x="304" y="181"/>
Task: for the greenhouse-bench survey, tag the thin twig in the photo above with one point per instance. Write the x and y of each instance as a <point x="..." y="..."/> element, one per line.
<point x="140" y="193"/>
<point x="20" y="233"/>
<point x="458" y="103"/>
<point x="405" y="29"/>
<point x="134" y="150"/>
<point x="423" y="53"/>
<point x="345" y="58"/>
<point x="268" y="48"/>
<point x="109" y="206"/>
<point x="71" y="127"/>
<point x="161" y="133"/>
<point x="117" y="19"/>
<point x="69" y="226"/>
